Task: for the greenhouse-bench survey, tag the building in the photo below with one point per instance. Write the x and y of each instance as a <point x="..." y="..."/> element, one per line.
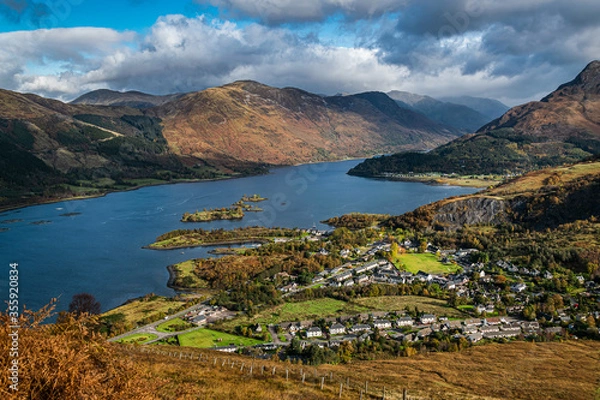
<point x="382" y="324"/>
<point x="337" y="329"/>
<point x="314" y="332"/>
<point x="428" y="318"/>
<point x="404" y="321"/>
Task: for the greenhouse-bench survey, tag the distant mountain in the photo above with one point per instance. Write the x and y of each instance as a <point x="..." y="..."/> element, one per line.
<point x="491" y="108"/>
<point x="250" y="121"/>
<point x="107" y="140"/>
<point x="563" y="127"/>
<point x="50" y="150"/>
<point x="458" y="116"/>
<point x="106" y="97"/>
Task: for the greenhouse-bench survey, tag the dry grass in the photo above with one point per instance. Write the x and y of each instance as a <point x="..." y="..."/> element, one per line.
<point x="67" y="361"/>
<point x="147" y="306"/>
<point x="517" y="370"/>
<point x="398" y="303"/>
<point x="531" y="182"/>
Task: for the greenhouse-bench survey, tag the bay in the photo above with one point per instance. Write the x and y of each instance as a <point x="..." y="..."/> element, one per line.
<point x="95" y="245"/>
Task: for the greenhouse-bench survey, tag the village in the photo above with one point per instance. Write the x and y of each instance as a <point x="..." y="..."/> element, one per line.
<point x="495" y="295"/>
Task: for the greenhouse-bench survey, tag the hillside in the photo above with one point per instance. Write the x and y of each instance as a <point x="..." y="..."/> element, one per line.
<point x="563" y="127"/>
<point x="50" y="150"/>
<point x="253" y="122"/>
<point x="85" y="366"/>
<point x="135" y="99"/>
<point x="538" y="200"/>
<point x="456" y="115"/>
<point x="107" y="140"/>
<point x="491" y="108"/>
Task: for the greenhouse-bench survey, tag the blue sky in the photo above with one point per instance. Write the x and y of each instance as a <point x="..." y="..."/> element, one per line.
<point x="514" y="50"/>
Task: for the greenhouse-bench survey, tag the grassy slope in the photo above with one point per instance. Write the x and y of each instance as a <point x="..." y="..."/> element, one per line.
<point x="205" y="338"/>
<point x="141" y="308"/>
<point x="425" y="262"/>
<point x="518" y="370"/>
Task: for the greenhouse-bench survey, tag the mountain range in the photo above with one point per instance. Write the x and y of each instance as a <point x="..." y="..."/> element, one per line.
<point x="107" y="140"/>
<point x="455" y="114"/>
<point x="563" y="127"/>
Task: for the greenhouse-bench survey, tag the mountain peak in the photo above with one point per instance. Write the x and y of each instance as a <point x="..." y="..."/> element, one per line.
<point x="587" y="82"/>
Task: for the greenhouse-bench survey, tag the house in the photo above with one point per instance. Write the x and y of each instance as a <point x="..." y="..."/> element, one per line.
<point x="349" y="282"/>
<point x="360" y="328"/>
<point x="361" y="279"/>
<point x="489" y="308"/>
<point x="428" y="318"/>
<point x="226" y="349"/>
<point x="424" y="276"/>
<point x="518" y="287"/>
<point x="424" y="333"/>
<point x="548" y="275"/>
<point x="475" y="337"/>
<point x="199" y="320"/>
<point x="314" y="332"/>
<point x="342" y="277"/>
<point x="382" y="324"/>
<point x="404" y="321"/>
<point x="337" y="329"/>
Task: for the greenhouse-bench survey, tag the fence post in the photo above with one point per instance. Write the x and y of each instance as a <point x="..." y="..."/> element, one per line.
<point x="404" y="393"/>
<point x="322" y="382"/>
<point x="286" y="374"/>
<point x="341" y="386"/>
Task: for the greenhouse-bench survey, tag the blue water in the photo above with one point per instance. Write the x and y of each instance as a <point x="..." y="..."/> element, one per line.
<point x="100" y="250"/>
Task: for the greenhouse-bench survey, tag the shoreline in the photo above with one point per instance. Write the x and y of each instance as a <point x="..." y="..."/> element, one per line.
<point x="221" y="243"/>
<point x="7" y="208"/>
<point x="480" y="184"/>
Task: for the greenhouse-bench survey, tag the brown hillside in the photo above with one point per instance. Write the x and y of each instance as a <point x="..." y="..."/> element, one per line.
<point x="250" y="121"/>
<point x="571" y="110"/>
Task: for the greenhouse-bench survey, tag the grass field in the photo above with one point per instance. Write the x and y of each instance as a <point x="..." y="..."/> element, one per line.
<point x="139" y="338"/>
<point x="174" y="325"/>
<point x="426" y="304"/>
<point x="205" y="338"/>
<point x="427" y="262"/>
<point x="186" y="277"/>
<point x="149" y="306"/>
<point x="326" y="307"/>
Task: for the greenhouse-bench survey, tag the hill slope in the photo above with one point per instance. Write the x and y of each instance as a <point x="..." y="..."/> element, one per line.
<point x="456" y="115"/>
<point x="254" y="122"/>
<point x="135" y="99"/>
<point x="563" y="127"/>
<point x="538" y="200"/>
<point x="49" y="150"/>
<point x="491" y="108"/>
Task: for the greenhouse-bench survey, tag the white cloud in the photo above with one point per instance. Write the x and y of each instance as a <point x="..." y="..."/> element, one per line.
<point x="180" y="54"/>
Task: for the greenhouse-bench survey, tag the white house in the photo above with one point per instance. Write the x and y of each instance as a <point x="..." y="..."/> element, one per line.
<point x="382" y="324"/>
<point x="314" y="332"/>
<point x="404" y="321"/>
<point x="337" y="329"/>
<point x="428" y="318"/>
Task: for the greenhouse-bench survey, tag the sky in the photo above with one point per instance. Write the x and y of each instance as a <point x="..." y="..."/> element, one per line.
<point x="510" y="50"/>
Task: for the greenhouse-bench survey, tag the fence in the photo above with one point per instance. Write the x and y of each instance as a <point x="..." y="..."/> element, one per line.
<point x="331" y="384"/>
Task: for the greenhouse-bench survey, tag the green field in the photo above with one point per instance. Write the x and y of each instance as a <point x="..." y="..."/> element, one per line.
<point x="205" y="338"/>
<point x="426" y="262"/>
<point x="174" y="325"/>
<point x="399" y="303"/>
<point x="139" y="338"/>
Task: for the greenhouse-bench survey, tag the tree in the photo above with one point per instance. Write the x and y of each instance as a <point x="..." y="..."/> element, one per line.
<point x="84" y="303"/>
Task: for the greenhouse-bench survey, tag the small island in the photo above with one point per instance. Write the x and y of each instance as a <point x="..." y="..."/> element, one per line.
<point x="255" y="198"/>
<point x="235" y="212"/>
